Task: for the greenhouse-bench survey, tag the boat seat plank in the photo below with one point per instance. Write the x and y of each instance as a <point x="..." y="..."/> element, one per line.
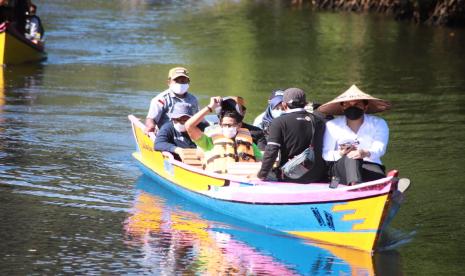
<point x="192" y="157"/>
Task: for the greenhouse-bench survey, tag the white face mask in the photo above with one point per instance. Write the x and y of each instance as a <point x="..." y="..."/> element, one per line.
<point x="179" y="88"/>
<point x="229" y="132"/>
<point x="275" y="113"/>
<point x="179" y="127"/>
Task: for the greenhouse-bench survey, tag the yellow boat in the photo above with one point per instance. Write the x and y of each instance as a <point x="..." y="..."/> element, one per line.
<point x="15" y="48"/>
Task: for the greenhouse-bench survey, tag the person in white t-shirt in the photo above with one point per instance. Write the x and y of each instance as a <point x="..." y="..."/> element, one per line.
<point x="353" y="144"/>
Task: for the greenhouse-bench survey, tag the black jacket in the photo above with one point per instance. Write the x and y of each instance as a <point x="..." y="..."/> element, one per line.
<point x="290" y="134"/>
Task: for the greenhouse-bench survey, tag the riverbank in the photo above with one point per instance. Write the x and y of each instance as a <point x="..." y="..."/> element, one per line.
<point x="449" y="13"/>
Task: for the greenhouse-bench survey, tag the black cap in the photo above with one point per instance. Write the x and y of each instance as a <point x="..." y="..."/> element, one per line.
<point x="294" y="96"/>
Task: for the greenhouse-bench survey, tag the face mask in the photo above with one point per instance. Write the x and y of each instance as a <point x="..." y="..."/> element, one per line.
<point x="179" y="88"/>
<point x="353" y="113"/>
<point x="179" y="127"/>
<point x="275" y="113"/>
<point x="229" y="132"/>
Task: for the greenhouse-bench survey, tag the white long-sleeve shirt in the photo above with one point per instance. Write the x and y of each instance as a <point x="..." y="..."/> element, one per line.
<point x="373" y="135"/>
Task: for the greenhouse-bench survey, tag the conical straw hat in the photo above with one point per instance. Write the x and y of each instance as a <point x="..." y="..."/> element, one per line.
<point x="353" y="94"/>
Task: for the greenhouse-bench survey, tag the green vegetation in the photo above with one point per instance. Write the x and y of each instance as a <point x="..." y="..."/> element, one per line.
<point x="431" y="12"/>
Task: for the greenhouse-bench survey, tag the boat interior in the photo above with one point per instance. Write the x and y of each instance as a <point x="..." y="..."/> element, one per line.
<point x="194" y="158"/>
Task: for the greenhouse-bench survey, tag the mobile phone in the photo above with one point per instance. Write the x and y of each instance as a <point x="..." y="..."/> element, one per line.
<point x="334" y="182"/>
<point x="348" y="144"/>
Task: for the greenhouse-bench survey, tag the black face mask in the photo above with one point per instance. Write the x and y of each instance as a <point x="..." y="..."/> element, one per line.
<point x="353" y="113"/>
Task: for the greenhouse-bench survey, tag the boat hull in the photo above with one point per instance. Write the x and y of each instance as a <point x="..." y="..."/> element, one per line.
<point x="351" y="218"/>
<point x="15" y="49"/>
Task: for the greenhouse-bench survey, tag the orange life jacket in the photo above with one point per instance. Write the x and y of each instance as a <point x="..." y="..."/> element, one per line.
<point x="226" y="151"/>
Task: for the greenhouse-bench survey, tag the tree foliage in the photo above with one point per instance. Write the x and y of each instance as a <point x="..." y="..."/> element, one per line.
<point x="431" y="12"/>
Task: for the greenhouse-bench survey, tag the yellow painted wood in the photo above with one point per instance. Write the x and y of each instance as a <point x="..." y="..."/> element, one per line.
<point x="155" y="161"/>
<point x="369" y="210"/>
<point x="2" y="47"/>
<point x="195" y="181"/>
<point x="14" y="51"/>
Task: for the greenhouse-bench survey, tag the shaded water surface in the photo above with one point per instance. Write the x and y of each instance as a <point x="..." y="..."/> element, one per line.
<point x="73" y="201"/>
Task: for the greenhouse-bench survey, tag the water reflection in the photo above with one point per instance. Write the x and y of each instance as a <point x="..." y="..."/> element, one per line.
<point x="188" y="239"/>
<point x="2" y="90"/>
<point x="16" y="84"/>
<point x="39" y="157"/>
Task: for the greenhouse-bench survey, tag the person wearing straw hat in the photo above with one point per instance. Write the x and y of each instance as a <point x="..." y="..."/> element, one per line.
<point x="178" y="82"/>
<point x="172" y="136"/>
<point x="354" y="143"/>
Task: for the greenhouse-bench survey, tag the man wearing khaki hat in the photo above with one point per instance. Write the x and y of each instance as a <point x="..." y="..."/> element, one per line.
<point x="163" y="103"/>
<point x="290" y="135"/>
<point x="354" y="143"/>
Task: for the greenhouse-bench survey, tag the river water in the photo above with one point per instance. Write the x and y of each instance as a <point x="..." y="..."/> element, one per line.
<point x="72" y="200"/>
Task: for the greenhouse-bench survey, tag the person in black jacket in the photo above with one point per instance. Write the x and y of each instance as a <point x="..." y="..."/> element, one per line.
<point x="290" y="134"/>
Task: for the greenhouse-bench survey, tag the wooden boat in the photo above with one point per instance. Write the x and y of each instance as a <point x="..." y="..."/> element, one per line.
<point x="350" y="216"/>
<point x="15" y="48"/>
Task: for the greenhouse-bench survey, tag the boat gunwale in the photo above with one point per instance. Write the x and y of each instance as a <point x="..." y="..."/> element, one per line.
<point x="179" y="187"/>
<point x="14" y="33"/>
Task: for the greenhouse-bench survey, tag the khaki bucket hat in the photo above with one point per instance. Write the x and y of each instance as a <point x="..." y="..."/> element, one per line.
<point x="353" y="94"/>
<point x="178" y="72"/>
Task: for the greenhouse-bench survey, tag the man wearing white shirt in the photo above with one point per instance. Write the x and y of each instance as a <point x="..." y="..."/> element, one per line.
<point x="353" y="144"/>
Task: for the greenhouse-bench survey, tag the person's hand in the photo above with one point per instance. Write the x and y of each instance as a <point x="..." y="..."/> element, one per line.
<point x="345" y="149"/>
<point x="3" y="26"/>
<point x="253" y="177"/>
<point x="214" y="102"/>
<point x="148" y="129"/>
<point x="358" y="154"/>
<point x="261" y="176"/>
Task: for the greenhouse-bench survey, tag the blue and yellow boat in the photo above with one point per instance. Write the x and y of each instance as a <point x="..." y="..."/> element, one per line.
<point x="350" y="216"/>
